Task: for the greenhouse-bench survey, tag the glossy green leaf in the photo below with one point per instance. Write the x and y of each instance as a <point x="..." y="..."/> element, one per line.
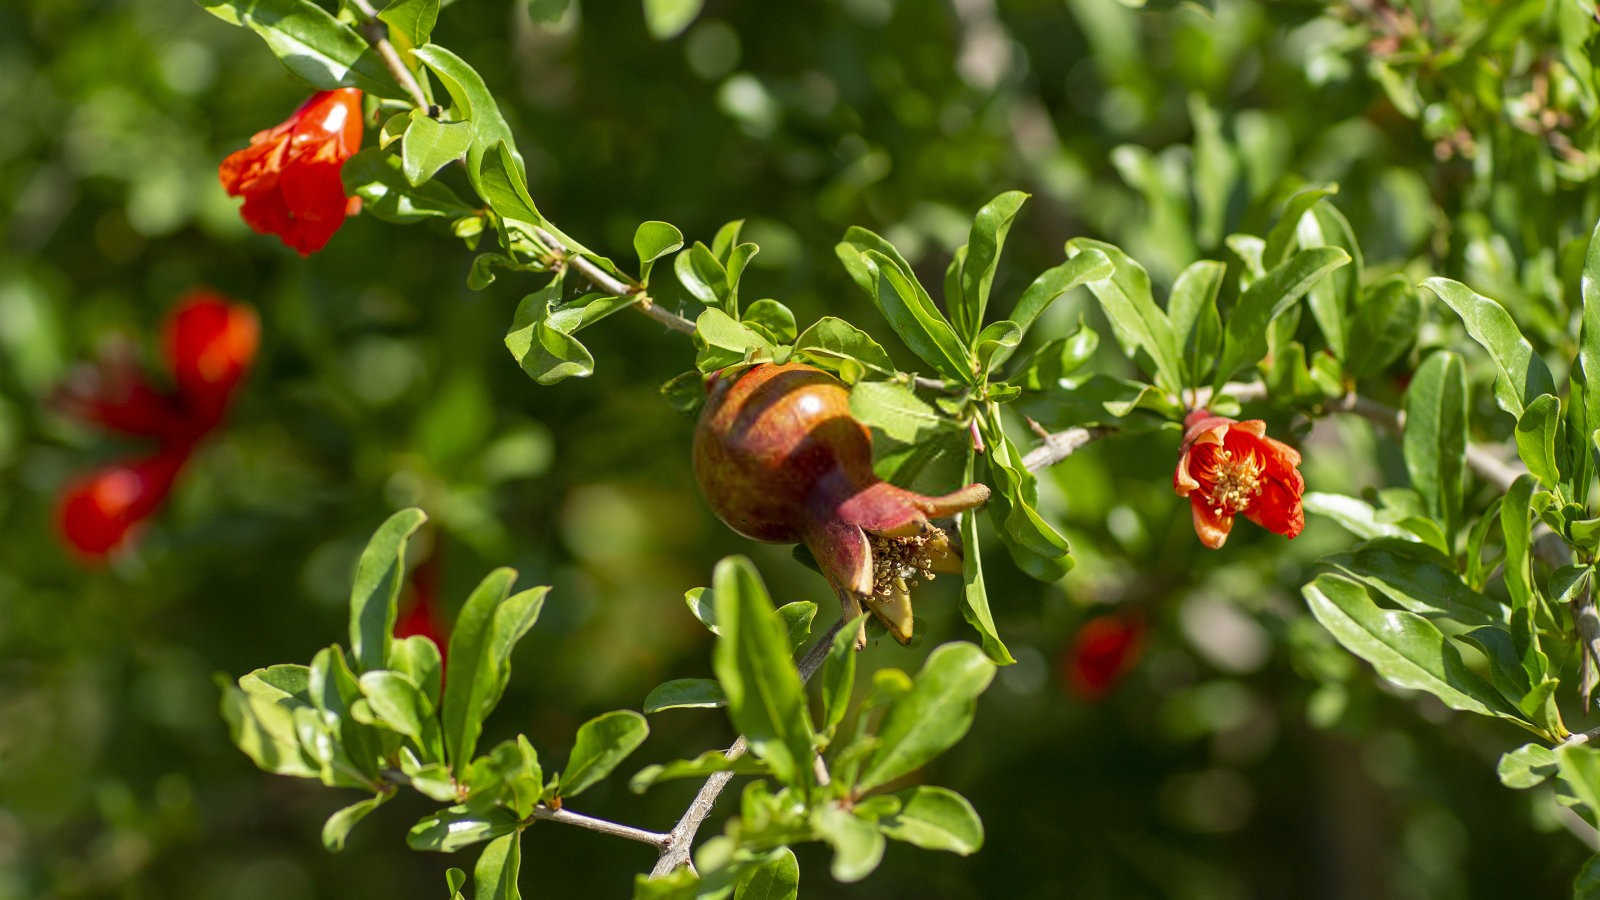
<point x="411" y="20"/>
<point x="379" y="574"/>
<point x="984" y="242"/>
<point x="376" y="177"/>
<point x="338" y="825"/>
<point x="260" y="717"/>
<point x="602" y="743"/>
<point x="917" y="321"/>
<point x="774" y="320"/>
<point x="1584" y="399"/>
<point x="839" y="675"/>
<point x="450" y="829"/>
<point x="1353" y="514"/>
<point x="495" y="875"/>
<point x="417" y="658"/>
<point x="797" y="617"/>
<point x="404" y="708"/>
<point x="1536" y="434"/>
<point x="1526" y="766"/>
<point x="1383" y="325"/>
<point x="777" y="878"/>
<point x="932" y="717"/>
<point x="1280" y="240"/>
<point x="857" y="844"/>
<point x="725" y="341"/>
<point x="311" y="42"/>
<point x="1054" y="283"/>
<point x="935" y="818"/>
<point x="1332" y="301"/>
<point x="1245" y="331"/>
<point x="974" y="591"/>
<point x="429" y="145"/>
<point x="704" y="277"/>
<point x="1034" y="544"/>
<point x="1196" y="324"/>
<point x="1579" y="765"/>
<point x="479" y="663"/>
<point x="666" y="19"/>
<point x="1435" y="438"/>
<point x="1403" y="647"/>
<point x="1418" y="578"/>
<point x="1139" y="325"/>
<point x="1522" y="374"/>
<point x="685" y="693"/>
<point x="766" y="700"/>
<point x="473" y="102"/>
<point x="995" y="344"/>
<point x="1044" y="369"/>
<point x="653" y="240"/>
<point x="844" y="349"/>
<point x="897" y="411"/>
<point x="707" y="763"/>
<point x="542" y="347"/>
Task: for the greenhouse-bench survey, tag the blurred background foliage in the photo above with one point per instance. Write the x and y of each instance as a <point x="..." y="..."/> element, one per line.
<point x="1242" y="755"/>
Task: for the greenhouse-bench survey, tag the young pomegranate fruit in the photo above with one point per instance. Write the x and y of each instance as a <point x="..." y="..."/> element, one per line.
<point x="780" y="459"/>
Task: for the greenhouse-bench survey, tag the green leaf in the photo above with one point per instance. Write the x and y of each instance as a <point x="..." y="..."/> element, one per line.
<point x="602" y="743"/>
<point x="1045" y="368"/>
<point x="541" y="342"/>
<point x="777" y="878"/>
<point x="260" y="716"/>
<point x="705" y="278"/>
<point x="653" y="240"/>
<point x="932" y="717"/>
<point x="1245" y="332"/>
<point x="1196" y="323"/>
<point x="1403" y="647"/>
<point x="797" y="618"/>
<point x="479" y="662"/>
<point x="337" y="828"/>
<point x="403" y="708"/>
<point x="1536" y="438"/>
<point x="703" y="607"/>
<point x="1383" y="325"/>
<point x="995" y="344"/>
<point x="417" y="658"/>
<point x="935" y="818"/>
<point x="1526" y="766"/>
<point x="707" y="763"/>
<point x="1034" y="544"/>
<point x="429" y="145"/>
<point x="1216" y="169"/>
<point x="726" y="240"/>
<point x="473" y="103"/>
<point x="311" y="42"/>
<point x="1584" y="399"/>
<point x="974" y="592"/>
<point x="839" y="675"/>
<point x="912" y="315"/>
<point x="379" y="574"/>
<point x="766" y="700"/>
<point x="1281" y="238"/>
<point x="1435" y="439"/>
<point x="495" y="875"/>
<point x="346" y="749"/>
<point x="666" y="19"/>
<point x="1579" y="765"/>
<point x="1586" y="884"/>
<point x="411" y="20"/>
<point x="1353" y="514"/>
<point x="840" y="347"/>
<point x="1416" y="577"/>
<point x="1054" y="283"/>
<point x="774" y="320"/>
<point x="725" y="341"/>
<point x="984" y="241"/>
<point x="1131" y="309"/>
<point x="1332" y="301"/>
<point x="1522" y="376"/>
<point x="897" y="411"/>
<point x="378" y="179"/>
<point x="685" y="693"/>
<point x="454" y="879"/>
<point x="857" y="844"/>
<point x="452" y="828"/>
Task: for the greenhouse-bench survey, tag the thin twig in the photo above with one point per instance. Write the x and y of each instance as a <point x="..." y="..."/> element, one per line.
<point x="675" y="850"/>
<point x="656" y="839"/>
<point x="377" y="34"/>
<point x="613" y="285"/>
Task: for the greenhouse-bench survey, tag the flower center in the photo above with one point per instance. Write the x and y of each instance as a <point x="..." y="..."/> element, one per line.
<point x="899" y="564"/>
<point x="1235" y="480"/>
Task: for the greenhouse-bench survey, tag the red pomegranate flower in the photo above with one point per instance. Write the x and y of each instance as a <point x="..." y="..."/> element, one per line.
<point x="780" y="459"/>
<point x="98" y="513"/>
<point x="209" y="345"/>
<point x="289" y="175"/>
<point x="1230" y="467"/>
<point x="1104" y="650"/>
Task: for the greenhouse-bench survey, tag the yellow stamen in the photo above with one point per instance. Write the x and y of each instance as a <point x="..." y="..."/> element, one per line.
<point x="1234" y="481"/>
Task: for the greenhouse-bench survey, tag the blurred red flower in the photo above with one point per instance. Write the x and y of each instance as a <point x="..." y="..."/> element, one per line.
<point x="209" y="346"/>
<point x="289" y="175"/>
<point x="422" y="615"/>
<point x="1230" y="467"/>
<point x="1104" y="649"/>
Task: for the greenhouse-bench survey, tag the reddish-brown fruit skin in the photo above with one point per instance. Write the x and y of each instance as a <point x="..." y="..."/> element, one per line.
<point x="767" y="437"/>
<point x="780" y="459"/>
